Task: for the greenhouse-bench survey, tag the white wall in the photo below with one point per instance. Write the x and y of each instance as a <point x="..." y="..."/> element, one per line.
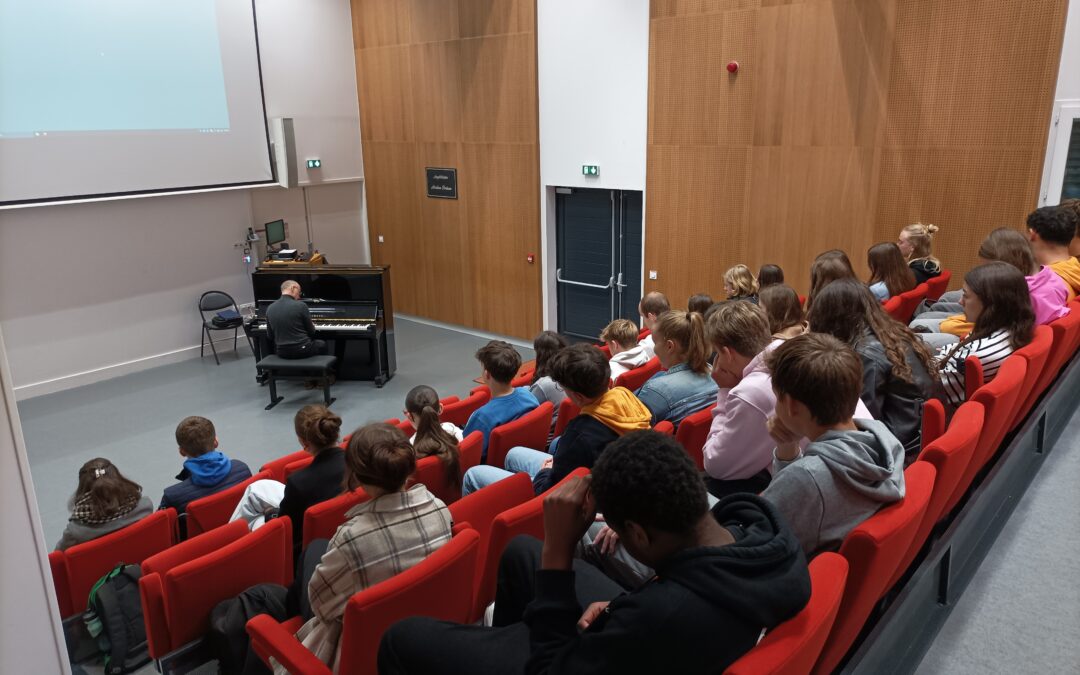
<point x="93" y="290"/>
<point x="593" y="79"/>
<point x="1066" y="106"/>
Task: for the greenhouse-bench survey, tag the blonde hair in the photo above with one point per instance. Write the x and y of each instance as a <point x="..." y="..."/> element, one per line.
<point x="741" y="280"/>
<point x="621" y="331"/>
<point x="688" y="330"/>
<point x="921" y="236"/>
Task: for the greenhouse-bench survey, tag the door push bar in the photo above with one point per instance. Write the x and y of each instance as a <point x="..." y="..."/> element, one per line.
<point x="607" y="286"/>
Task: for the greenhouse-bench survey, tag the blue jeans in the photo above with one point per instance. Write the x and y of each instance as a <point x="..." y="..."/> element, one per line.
<point x="518" y="460"/>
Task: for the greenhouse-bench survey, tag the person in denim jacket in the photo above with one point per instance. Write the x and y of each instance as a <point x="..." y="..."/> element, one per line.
<point x="685" y="385"/>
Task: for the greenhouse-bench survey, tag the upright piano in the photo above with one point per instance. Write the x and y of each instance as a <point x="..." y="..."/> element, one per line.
<point x="350" y="306"/>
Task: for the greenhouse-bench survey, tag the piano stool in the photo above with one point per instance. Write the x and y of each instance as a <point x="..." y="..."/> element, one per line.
<point x="319" y="368"/>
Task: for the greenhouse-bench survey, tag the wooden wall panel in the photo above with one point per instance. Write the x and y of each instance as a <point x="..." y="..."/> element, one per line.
<point x="453" y="84"/>
<point x="847" y="120"/>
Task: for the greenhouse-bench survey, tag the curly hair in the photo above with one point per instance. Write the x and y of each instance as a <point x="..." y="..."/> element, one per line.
<point x="1053" y="224"/>
<point x="646" y="477"/>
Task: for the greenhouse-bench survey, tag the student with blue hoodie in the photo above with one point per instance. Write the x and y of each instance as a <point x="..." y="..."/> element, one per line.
<point x="206" y="469"/>
<point x="850" y="468"/>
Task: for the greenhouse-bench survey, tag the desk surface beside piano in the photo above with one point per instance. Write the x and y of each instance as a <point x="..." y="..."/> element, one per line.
<point x="351" y="307"/>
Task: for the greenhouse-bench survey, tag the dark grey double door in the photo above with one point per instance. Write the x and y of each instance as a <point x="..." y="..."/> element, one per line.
<point x="598" y="258"/>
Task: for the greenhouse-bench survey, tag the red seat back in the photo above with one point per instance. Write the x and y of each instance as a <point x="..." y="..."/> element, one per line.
<point x="893" y="307"/>
<point x="1036" y="353"/>
<point x="792" y="647"/>
<point x="192" y="589"/>
<point x="1066" y="333"/>
<point x="480" y="508"/>
<point x="154" y="568"/>
<point x="950" y="454"/>
<point x="458" y="412"/>
<point x="937" y="286"/>
<point x="693" y="431"/>
<point x="322" y="520"/>
<point x="633" y="379"/>
<point x="604" y="349"/>
<point x="998" y="397"/>
<point x="276" y="468"/>
<point x="529" y="431"/>
<point x="470" y="449"/>
<point x="214" y="510"/>
<point x="933" y="421"/>
<point x="643" y="333"/>
<point x="910" y="300"/>
<point x="77" y="569"/>
<point x="431" y="471"/>
<point x="524" y="377"/>
<point x="298" y="465"/>
<point x="664" y="427"/>
<point x="873" y="551"/>
<point x="567" y="412"/>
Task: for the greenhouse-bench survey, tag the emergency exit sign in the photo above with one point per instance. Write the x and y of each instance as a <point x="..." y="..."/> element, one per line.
<point x="590" y="170"/>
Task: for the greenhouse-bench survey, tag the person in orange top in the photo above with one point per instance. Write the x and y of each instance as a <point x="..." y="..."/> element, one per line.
<point x="1050" y="230"/>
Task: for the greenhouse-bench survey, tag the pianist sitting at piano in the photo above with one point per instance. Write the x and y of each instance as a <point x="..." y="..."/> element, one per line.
<point x="288" y="323"/>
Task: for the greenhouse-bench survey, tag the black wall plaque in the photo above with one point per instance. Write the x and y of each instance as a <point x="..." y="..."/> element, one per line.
<point x="441" y="183"/>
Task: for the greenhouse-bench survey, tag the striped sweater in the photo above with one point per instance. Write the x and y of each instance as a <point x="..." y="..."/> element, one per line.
<point x="990" y="350"/>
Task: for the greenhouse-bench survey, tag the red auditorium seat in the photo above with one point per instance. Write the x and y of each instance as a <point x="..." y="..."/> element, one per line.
<point x="605" y="350"/>
<point x="933" y="421"/>
<point x="1066" y="333"/>
<point x="950" y="454"/>
<point x="433" y="474"/>
<point x="480" y="508"/>
<point x="937" y="286"/>
<point x="407" y="427"/>
<point x="633" y="379"/>
<point x="470" y="449"/>
<point x="214" y="510"/>
<point x="792" y="647"/>
<point x="902" y="307"/>
<point x="181" y="586"/>
<point x="276" y="468"/>
<point x="873" y="551"/>
<point x="665" y="427"/>
<point x="77" y="569"/>
<point x="526" y="518"/>
<point x="298" y="465"/>
<point x="999" y="399"/>
<point x="524" y="377"/>
<point x="1036" y="353"/>
<point x="529" y="431"/>
<point x="322" y="520"/>
<point x="643" y="333"/>
<point x="693" y="431"/>
<point x="567" y="412"/>
<point x="440" y="587"/>
<point x="458" y="412"/>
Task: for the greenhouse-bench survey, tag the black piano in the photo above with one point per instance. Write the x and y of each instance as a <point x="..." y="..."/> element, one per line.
<point x="350" y="307"/>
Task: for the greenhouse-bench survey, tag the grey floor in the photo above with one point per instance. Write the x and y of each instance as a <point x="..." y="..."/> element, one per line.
<point x="1021" y="613"/>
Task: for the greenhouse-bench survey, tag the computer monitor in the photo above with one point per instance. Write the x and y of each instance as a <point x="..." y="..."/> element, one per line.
<point x="275" y="232"/>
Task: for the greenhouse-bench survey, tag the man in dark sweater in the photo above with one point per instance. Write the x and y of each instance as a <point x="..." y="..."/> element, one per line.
<point x="722" y="576"/>
<point x="288" y="323"/>
<point x="584" y="374"/>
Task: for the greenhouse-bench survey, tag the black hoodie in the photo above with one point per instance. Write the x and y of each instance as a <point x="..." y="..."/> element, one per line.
<point x="705" y="608"/>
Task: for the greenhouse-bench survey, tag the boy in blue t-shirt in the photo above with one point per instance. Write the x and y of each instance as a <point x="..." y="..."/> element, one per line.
<point x="501" y="363"/>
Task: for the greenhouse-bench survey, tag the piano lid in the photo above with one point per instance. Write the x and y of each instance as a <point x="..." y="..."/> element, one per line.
<point x="329" y="283"/>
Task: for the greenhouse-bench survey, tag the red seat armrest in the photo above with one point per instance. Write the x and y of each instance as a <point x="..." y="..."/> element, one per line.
<point x="270" y="638"/>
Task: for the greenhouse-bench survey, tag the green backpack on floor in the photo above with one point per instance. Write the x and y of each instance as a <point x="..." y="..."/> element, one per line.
<point x="114" y="618"/>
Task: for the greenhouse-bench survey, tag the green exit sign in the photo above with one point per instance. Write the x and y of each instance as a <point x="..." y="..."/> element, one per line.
<point x="590" y="170"/>
<point x="314" y="163"/>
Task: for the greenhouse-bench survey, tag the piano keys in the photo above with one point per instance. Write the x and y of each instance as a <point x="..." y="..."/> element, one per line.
<point x="351" y="308"/>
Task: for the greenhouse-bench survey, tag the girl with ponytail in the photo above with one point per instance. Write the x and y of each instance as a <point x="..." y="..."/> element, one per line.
<point x="432" y="437"/>
<point x="685" y="386"/>
<point x="104" y="501"/>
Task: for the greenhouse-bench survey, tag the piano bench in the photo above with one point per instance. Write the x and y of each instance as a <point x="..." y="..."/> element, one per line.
<point x="319" y="368"/>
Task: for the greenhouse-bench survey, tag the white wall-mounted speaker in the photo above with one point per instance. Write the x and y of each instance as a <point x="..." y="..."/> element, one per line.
<point x="283" y="141"/>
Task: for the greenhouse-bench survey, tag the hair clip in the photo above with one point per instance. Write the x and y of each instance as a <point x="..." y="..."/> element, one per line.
<point x="98" y="473"/>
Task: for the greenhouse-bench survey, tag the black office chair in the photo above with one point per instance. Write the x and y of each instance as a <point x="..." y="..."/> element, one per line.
<point x="215" y="301"/>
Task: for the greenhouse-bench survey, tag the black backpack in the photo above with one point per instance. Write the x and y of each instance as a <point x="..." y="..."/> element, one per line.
<point x="114" y="618"/>
<point x="228" y="639"/>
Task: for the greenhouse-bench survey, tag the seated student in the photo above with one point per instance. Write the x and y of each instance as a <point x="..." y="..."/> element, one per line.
<point x="606" y="414"/>
<point x="768" y="275"/>
<point x="650" y="308"/>
<point x="889" y="272"/>
<point x="916" y="243"/>
<point x="501" y="363"/>
<point x="384" y="536"/>
<point x="684" y="386"/>
<point x="827" y="268"/>
<point x="433" y="437"/>
<point x="724" y="576"/>
<point x="546" y="345"/>
<point x="850" y="468"/>
<point x="784" y="311"/>
<point x="104" y="501"/>
<point x="997" y="303"/>
<point x="206" y="470"/>
<point x="699" y="302"/>
<point x="317" y="429"/>
<point x="1072" y="207"/>
<point x="1050" y="230"/>
<point x="1048" y="292"/>
<point x="740" y="284"/>
<point x="898" y="369"/>
<point x="621" y="339"/>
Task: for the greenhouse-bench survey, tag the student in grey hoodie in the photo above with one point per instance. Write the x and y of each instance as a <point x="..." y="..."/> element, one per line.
<point x="850" y="468"/>
<point x="104" y="501"/>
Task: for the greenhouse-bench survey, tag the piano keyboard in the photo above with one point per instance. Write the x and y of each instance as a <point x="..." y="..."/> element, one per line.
<point x="337" y="325"/>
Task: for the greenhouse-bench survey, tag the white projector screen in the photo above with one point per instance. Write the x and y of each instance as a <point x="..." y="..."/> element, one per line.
<point x="107" y="97"/>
